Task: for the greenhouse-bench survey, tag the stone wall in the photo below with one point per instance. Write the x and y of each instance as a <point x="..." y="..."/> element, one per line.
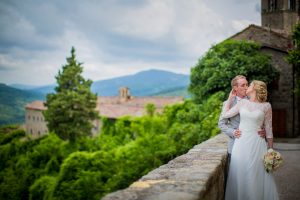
<point x="35" y="123"/>
<point x="198" y="174"/>
<point x="282" y="98"/>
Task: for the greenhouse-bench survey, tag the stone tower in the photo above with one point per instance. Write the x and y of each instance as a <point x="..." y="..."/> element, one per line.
<point x="124" y="94"/>
<point x="280" y="14"/>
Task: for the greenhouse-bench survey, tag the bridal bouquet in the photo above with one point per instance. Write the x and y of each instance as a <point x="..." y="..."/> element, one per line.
<point x="272" y="160"/>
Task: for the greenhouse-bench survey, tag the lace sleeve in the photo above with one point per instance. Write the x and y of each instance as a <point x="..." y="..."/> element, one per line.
<point x="227" y="113"/>
<point x="268" y="121"/>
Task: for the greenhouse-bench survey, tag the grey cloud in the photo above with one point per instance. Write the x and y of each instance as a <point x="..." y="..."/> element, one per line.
<point x="30" y="25"/>
<point x="4" y="68"/>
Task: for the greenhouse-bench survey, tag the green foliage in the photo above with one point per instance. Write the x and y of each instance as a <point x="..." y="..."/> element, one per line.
<point x="294" y="56"/>
<point x="72" y="108"/>
<point x="8" y="133"/>
<point x="42" y="188"/>
<point x="150" y="108"/>
<point x="83" y="175"/>
<point x="222" y="62"/>
<point x="193" y="123"/>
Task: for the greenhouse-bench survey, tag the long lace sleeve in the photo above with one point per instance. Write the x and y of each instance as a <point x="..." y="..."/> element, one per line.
<point x="268" y="121"/>
<point x="227" y="113"/>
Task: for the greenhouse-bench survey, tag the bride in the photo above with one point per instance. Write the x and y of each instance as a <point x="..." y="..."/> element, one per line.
<point x="247" y="178"/>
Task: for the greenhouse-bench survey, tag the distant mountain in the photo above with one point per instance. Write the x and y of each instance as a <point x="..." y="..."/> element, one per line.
<point x="145" y="83"/>
<point x="22" y="87"/>
<point x="12" y="102"/>
<point x="43" y="90"/>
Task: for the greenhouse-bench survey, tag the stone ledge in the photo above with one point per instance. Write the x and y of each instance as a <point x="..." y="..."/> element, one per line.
<point x="198" y="174"/>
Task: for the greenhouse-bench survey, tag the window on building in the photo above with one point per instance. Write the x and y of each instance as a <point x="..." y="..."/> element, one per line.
<point x="30" y="131"/>
<point x="33" y="118"/>
<point x="39" y="133"/>
<point x="28" y="117"/>
<point x="272" y="5"/>
<point x="292" y="4"/>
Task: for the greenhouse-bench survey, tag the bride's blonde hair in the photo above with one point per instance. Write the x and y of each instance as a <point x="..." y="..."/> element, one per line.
<point x="261" y="90"/>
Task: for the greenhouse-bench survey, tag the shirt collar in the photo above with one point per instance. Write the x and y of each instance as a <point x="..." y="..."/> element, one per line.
<point x="239" y="98"/>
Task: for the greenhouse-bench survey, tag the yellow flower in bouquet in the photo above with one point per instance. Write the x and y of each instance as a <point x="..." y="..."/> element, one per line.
<point x="272" y="160"/>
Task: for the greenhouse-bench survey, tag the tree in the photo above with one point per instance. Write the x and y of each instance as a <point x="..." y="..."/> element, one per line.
<point x="222" y="62"/>
<point x="72" y="108"/>
<point x="294" y="56"/>
<point x="150" y="108"/>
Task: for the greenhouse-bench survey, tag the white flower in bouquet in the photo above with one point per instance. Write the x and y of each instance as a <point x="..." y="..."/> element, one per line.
<point x="272" y="160"/>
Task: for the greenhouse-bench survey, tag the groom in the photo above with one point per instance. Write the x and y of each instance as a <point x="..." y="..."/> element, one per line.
<point x="230" y="126"/>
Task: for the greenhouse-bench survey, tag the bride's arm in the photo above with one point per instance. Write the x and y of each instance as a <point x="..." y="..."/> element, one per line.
<point x="268" y="125"/>
<point x="228" y="112"/>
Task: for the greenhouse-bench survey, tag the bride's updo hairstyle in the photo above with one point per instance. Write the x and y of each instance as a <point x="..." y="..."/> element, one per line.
<point x="261" y="90"/>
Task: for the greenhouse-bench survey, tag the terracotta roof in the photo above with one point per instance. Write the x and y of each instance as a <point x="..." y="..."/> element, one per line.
<point x="36" y="105"/>
<point x="113" y="107"/>
<point x="115" y="111"/>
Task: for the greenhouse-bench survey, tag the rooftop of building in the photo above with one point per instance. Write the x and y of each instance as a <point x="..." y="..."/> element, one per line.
<point x="118" y="106"/>
<point x="284" y="42"/>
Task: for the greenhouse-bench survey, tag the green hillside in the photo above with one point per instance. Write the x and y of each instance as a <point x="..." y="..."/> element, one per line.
<point x="12" y="102"/>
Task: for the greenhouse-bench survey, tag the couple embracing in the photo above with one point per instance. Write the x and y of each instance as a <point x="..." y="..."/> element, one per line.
<point x="247" y="119"/>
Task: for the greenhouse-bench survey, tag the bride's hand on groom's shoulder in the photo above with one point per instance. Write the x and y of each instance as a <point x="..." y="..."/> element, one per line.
<point x="232" y="94"/>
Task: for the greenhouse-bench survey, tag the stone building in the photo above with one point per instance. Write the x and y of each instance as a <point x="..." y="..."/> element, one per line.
<point x="110" y="107"/>
<point x="278" y="18"/>
<point x="34" y="120"/>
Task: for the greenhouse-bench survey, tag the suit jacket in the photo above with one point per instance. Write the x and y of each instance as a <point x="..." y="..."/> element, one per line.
<point x="229" y="125"/>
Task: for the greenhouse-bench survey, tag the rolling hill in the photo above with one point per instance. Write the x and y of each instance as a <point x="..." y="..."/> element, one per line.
<point x="12" y="102"/>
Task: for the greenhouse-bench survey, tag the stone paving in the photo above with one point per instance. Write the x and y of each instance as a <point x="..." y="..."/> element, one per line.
<point x="288" y="176"/>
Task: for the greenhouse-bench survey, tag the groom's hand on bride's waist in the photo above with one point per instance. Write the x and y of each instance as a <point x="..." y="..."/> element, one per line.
<point x="237" y="133"/>
<point x="262" y="132"/>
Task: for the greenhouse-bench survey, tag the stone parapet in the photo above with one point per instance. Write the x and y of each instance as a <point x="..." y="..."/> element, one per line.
<point x="198" y="174"/>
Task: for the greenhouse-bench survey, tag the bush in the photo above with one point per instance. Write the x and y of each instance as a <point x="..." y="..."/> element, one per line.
<point x="222" y="62"/>
<point x="41" y="188"/>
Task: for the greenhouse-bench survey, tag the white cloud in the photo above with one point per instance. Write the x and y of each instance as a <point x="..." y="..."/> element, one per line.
<point x="152" y="21"/>
<point x="196" y="27"/>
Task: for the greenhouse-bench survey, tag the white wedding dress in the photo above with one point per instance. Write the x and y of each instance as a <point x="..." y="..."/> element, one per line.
<point x="247" y="177"/>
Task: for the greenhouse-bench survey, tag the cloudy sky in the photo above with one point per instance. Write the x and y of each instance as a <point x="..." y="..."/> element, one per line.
<point x="113" y="37"/>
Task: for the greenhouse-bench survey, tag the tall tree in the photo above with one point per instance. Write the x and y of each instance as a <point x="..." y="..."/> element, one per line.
<point x="72" y="108"/>
<point x="222" y="62"/>
<point x="294" y="56"/>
